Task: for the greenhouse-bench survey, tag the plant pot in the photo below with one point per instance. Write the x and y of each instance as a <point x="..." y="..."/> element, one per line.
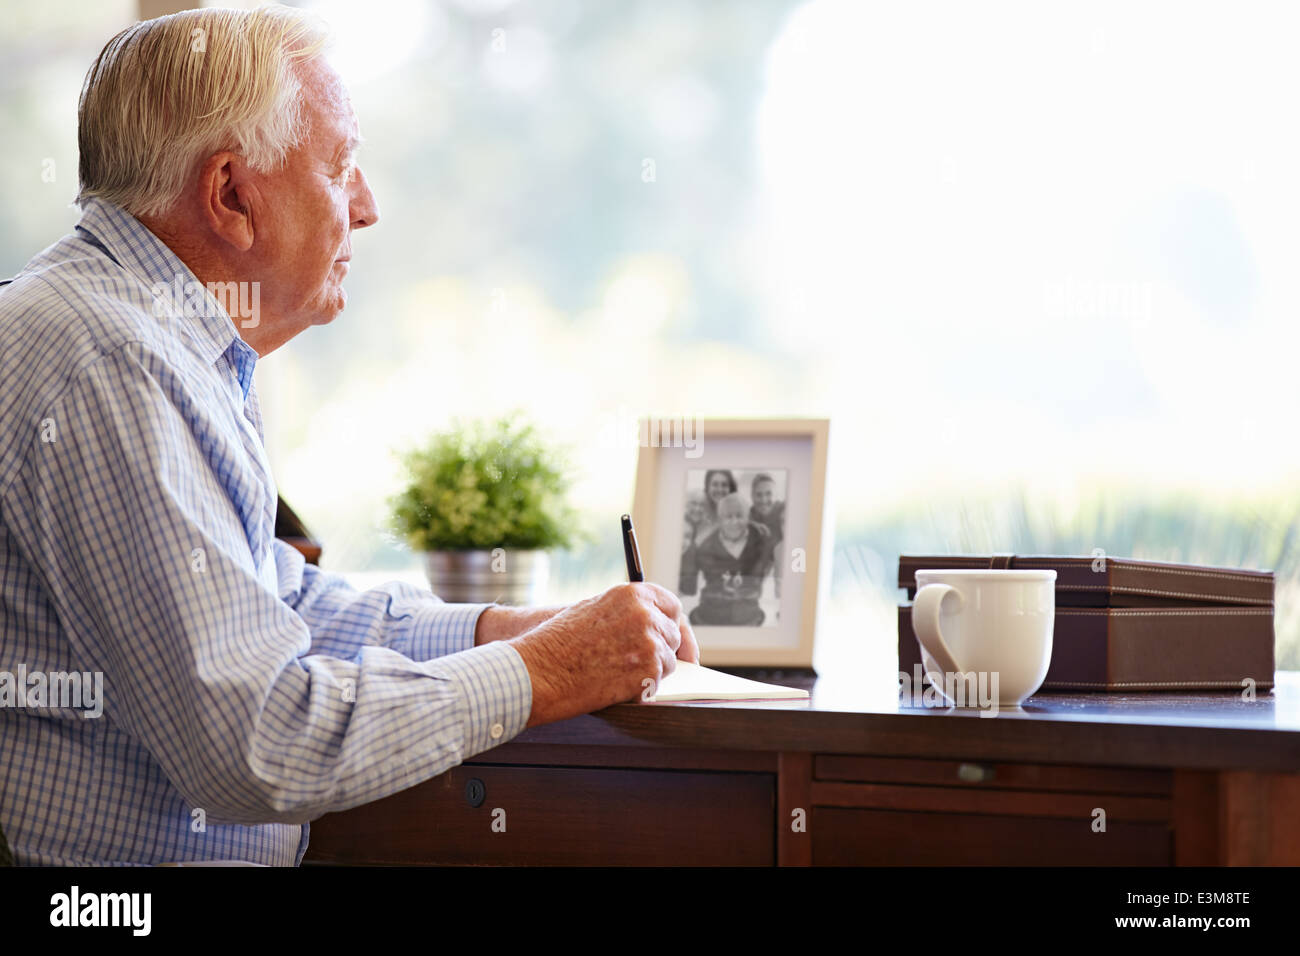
<point x="499" y="576"/>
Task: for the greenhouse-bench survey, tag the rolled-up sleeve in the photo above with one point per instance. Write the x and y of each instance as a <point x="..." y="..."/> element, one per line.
<point x="258" y="706"/>
<point x="342" y="619"/>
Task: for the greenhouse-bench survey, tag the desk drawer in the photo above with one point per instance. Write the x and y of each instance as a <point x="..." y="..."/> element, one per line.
<point x="560" y="816"/>
<point x="852" y="837"/>
<point x="890" y="810"/>
<point x="1000" y="775"/>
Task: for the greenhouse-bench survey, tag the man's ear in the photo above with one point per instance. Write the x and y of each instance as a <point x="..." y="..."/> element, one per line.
<point x="225" y="199"/>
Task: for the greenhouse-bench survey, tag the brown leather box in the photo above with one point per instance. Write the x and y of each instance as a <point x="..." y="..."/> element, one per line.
<point x="1123" y="624"/>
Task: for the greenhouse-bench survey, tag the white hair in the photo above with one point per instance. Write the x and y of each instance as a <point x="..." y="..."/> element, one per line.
<point x="734" y="499"/>
<point x="165" y="94"/>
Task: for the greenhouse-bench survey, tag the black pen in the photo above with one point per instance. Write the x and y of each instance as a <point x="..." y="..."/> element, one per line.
<point x="631" y="551"/>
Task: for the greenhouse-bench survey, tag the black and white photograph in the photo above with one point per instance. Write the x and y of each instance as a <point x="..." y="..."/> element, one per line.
<point x="732" y="546"/>
<point x="734" y="527"/>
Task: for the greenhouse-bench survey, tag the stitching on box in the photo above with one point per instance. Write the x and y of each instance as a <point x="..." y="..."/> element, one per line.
<point x="1154" y="683"/>
<point x="1158" y="593"/>
<point x="1162" y="568"/>
<point x="1168" y="612"/>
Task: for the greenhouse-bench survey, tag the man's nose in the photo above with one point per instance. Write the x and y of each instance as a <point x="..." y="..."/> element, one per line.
<point x="364" y="208"/>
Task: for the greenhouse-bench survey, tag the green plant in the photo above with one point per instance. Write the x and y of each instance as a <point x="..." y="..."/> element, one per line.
<point x="482" y="486"/>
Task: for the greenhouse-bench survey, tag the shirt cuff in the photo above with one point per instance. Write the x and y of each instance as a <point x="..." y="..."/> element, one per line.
<point x="498" y="694"/>
<point x="440" y="629"/>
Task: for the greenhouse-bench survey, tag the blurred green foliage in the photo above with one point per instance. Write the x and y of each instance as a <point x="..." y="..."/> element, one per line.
<point x="1124" y="522"/>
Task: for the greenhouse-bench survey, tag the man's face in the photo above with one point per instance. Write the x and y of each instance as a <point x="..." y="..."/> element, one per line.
<point x="763" y="495"/>
<point x="310" y="207"/>
<point x="734" y="520"/>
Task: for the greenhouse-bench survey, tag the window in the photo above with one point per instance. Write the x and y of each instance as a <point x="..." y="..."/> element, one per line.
<point x="1034" y="262"/>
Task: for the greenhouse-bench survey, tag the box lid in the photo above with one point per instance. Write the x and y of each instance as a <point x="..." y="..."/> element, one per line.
<point x="1103" y="581"/>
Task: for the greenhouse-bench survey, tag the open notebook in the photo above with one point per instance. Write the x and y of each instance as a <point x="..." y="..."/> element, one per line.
<point x="693" y="682"/>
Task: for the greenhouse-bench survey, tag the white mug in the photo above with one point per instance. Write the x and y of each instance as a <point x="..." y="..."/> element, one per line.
<point x="994" y="625"/>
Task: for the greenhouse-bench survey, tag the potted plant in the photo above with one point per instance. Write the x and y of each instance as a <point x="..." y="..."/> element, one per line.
<point x="483" y="504"/>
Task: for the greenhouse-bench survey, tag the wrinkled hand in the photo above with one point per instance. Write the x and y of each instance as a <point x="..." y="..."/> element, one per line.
<point x="600" y="651"/>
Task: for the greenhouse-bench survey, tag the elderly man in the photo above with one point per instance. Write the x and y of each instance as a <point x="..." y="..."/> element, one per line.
<point x="243" y="692"/>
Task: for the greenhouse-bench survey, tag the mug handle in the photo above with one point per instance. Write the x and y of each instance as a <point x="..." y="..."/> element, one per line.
<point x="925" y="621"/>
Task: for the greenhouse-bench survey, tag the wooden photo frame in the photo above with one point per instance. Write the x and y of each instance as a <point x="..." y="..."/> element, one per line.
<point x="731" y="516"/>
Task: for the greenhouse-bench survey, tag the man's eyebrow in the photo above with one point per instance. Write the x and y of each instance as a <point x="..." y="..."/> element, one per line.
<point x="354" y="142"/>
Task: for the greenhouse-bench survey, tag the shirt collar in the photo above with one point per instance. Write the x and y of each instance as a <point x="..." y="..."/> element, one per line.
<point x="134" y="247"/>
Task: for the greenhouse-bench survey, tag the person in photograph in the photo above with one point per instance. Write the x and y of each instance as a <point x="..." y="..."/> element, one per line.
<point x="734" y="559"/>
<point x="718" y="483"/>
<point x="701" y="520"/>
<point x="769" y="513"/>
<point x="698" y="523"/>
<point x="766" y="509"/>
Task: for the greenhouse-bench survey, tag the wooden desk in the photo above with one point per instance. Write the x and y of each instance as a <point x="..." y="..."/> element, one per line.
<point x="1187" y="779"/>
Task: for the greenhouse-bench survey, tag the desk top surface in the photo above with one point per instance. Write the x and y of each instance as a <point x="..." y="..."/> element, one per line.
<point x="1272" y="709"/>
<point x="1208" y="730"/>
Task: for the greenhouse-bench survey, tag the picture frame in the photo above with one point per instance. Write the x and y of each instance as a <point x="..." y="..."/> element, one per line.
<point x="745" y="555"/>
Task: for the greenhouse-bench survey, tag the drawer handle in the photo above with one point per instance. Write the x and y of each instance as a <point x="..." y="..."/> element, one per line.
<point x="475" y="792"/>
<point x="974" y="773"/>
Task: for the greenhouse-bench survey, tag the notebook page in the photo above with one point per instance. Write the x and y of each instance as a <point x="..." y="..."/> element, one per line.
<point x="693" y="682"/>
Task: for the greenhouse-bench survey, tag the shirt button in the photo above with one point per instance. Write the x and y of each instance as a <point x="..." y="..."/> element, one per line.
<point x="496" y="731"/>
